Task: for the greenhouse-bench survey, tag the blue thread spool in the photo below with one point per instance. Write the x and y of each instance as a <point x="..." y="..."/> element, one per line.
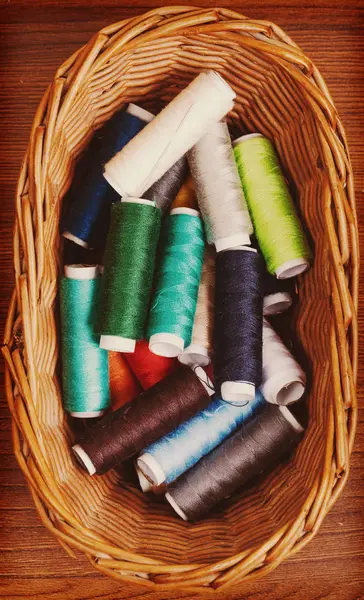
<point x="86" y="222"/>
<point x="165" y="460"/>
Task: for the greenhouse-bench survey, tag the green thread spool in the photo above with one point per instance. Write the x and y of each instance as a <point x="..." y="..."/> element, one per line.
<point x="85" y="365"/>
<point x="277" y="227"/>
<point x="174" y="302"/>
<point x="128" y="272"/>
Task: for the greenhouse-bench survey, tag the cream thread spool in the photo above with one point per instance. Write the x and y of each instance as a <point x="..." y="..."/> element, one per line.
<point x="208" y="98"/>
<point x="274" y="304"/>
<point x="219" y="191"/>
<point x="284" y="380"/>
<point x="114" y="342"/>
<point x="200" y="350"/>
<point x="169" y="344"/>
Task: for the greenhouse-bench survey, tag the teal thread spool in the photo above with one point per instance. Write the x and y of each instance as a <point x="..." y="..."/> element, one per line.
<point x="277" y="227"/>
<point x="174" y="302"/>
<point x="128" y="272"/>
<point x="85" y="366"/>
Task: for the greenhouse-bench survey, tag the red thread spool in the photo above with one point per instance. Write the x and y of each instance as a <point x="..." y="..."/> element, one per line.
<point x="124" y="386"/>
<point x="147" y="367"/>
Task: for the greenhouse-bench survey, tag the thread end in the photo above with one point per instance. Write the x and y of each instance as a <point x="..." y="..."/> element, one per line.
<point x="84" y="459"/>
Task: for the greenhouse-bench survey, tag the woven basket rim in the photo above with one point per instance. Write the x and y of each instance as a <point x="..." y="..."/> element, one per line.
<point x="39" y="189"/>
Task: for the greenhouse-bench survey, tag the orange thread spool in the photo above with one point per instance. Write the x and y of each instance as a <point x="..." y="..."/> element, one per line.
<point x="124" y="386"/>
<point x="186" y="196"/>
<point x="147" y="367"/>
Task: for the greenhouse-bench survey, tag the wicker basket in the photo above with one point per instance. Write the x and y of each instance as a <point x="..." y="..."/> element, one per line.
<point x="282" y="94"/>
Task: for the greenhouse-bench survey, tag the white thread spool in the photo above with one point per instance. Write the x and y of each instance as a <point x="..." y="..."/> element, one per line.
<point x="169" y="344"/>
<point x="219" y="191"/>
<point x="207" y="99"/>
<point x="238" y="391"/>
<point x="82" y="273"/>
<point x="291" y="268"/>
<point x="144" y="483"/>
<point x="283" y="379"/>
<point x="143" y="115"/>
<point x="200" y="349"/>
<point x="274" y="304"/>
<point x="115" y="342"/>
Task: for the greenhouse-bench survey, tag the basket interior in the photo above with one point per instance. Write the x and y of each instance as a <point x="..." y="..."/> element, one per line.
<point x="271" y="101"/>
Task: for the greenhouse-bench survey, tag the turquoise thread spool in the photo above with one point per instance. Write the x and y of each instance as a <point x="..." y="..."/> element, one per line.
<point x="85" y="366"/>
<point x="174" y="302"/>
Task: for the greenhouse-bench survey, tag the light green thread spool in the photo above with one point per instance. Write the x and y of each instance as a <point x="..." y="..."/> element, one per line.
<point x="276" y="224"/>
<point x="128" y="272"/>
<point x="174" y="302"/>
<point x="85" y="365"/>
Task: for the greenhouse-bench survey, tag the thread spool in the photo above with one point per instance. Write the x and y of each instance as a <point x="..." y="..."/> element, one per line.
<point x="123" y="433"/>
<point x="84" y="364"/>
<point x="283" y="379"/>
<point x="147" y="487"/>
<point x="276" y="224"/>
<point x="173" y="307"/>
<point x="200" y="350"/>
<point x="256" y="447"/>
<point x="238" y="324"/>
<point x="124" y="386"/>
<point x="208" y="98"/>
<point x="166" y="459"/>
<point x="87" y="219"/>
<point x="128" y="274"/>
<point x="218" y="188"/>
<point x="164" y="191"/>
<point x="186" y="197"/>
<point x="277" y="295"/>
<point x="147" y="367"/>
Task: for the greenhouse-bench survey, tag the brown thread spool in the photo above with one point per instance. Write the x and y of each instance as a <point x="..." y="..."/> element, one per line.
<point x="123" y="433"/>
<point x="255" y="448"/>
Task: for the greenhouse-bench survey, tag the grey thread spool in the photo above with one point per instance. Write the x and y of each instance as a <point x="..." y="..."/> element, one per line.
<point x="256" y="447"/>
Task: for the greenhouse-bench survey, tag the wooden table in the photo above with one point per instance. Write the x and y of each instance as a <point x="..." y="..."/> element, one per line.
<point x="36" y="37"/>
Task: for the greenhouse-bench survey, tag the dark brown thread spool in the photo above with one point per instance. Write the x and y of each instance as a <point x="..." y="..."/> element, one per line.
<point x="255" y="448"/>
<point x="155" y="412"/>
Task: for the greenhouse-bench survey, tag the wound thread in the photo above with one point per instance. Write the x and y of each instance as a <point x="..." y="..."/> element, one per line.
<point x="284" y="381"/>
<point x="164" y="191"/>
<point x="84" y="364"/>
<point x="276" y="225"/>
<point x="128" y="273"/>
<point x="173" y="306"/>
<point x="124" y="432"/>
<point x="199" y="352"/>
<point x="256" y="447"/>
<point x="87" y="219"/>
<point x="218" y="188"/>
<point x="166" y="459"/>
<point x="238" y="324"/>
<point x="147" y="367"/>
<point x="208" y="98"/>
<point x="124" y="386"/>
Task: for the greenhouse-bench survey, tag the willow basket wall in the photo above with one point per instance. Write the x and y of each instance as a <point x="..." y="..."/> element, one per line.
<point x="282" y="94"/>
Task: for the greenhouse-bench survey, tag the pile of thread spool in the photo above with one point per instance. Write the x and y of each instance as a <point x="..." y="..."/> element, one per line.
<point x="166" y="345"/>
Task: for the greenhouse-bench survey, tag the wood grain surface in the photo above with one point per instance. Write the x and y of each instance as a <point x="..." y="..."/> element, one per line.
<point x="36" y="37"/>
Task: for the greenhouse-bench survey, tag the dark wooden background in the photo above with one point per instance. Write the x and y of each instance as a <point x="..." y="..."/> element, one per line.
<point x="36" y="37"/>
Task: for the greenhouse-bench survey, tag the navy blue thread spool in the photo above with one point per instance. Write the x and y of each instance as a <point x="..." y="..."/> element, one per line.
<point x="87" y="219"/>
<point x="238" y="323"/>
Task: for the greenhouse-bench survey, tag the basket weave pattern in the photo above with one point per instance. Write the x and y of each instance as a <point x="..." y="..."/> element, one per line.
<point x="280" y="93"/>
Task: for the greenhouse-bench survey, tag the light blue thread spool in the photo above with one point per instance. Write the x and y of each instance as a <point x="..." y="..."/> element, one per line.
<point x="175" y="453"/>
